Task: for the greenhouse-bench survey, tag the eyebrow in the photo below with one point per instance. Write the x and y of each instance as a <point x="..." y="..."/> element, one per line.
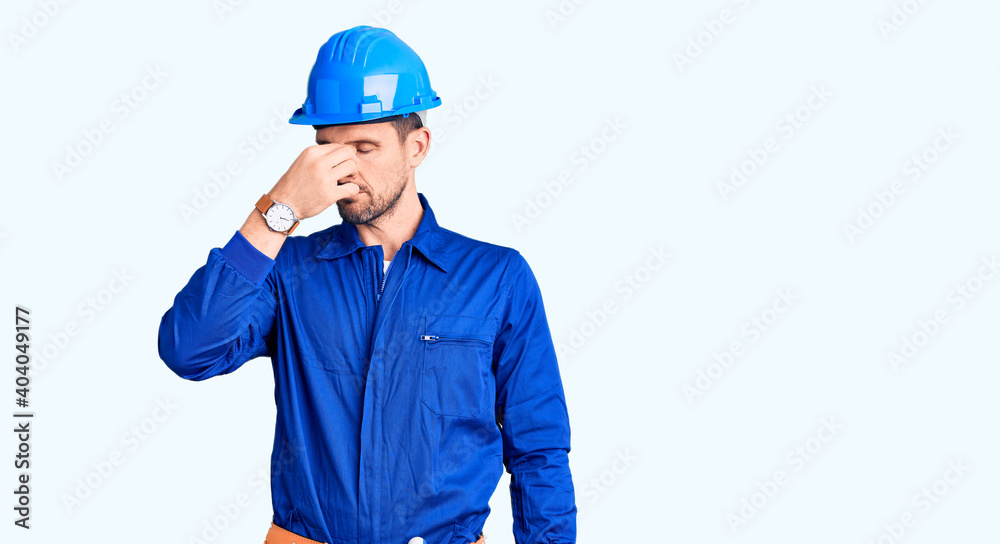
<point x="321" y="141"/>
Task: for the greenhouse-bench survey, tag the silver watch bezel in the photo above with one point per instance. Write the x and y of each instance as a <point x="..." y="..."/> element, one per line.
<point x="273" y="209"/>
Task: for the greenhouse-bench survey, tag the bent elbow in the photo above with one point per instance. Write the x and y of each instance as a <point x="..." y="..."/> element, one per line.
<point x="178" y="355"/>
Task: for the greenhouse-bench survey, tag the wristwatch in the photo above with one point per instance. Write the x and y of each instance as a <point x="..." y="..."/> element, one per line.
<point x="278" y="216"/>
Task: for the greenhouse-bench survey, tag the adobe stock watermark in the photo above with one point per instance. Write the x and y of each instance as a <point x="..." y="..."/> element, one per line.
<point x="898" y="16"/>
<point x="923" y="501"/>
<point x="606" y="479"/>
<point x="458" y="112"/>
<point x="230" y="511"/>
<point x="752" y="330"/>
<point x="957" y="298"/>
<point x="583" y="157"/>
<point x="561" y="12"/>
<point x="121" y="109"/>
<point x="87" y="311"/>
<point x="713" y="29"/>
<point x="786" y="126"/>
<point x="795" y="460"/>
<point x="32" y="24"/>
<point x="259" y="481"/>
<point x="383" y="16"/>
<point x="884" y="199"/>
<point x="624" y="289"/>
<point x="426" y="484"/>
<point x="103" y="469"/>
<point x="223" y="8"/>
<point x="246" y="151"/>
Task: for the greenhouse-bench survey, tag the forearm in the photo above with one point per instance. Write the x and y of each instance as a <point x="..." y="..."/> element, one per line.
<point x="222" y="316"/>
<point x="542" y="498"/>
<point x="256" y="231"/>
<point x="537" y="445"/>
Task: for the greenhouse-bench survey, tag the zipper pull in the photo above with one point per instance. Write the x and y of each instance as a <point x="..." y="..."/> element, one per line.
<point x="430" y="337"/>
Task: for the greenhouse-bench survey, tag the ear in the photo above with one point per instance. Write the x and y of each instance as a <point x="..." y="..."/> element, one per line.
<point x="416" y="146"/>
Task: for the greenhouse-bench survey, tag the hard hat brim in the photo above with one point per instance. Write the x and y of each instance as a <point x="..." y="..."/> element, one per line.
<point x="300" y="117"/>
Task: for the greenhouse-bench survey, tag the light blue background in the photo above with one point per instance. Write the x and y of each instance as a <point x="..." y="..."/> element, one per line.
<point x="654" y="185"/>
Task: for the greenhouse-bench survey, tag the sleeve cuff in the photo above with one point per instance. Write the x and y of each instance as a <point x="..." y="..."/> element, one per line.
<point x="246" y="259"/>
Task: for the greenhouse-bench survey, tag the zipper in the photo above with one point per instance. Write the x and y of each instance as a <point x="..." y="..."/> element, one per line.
<point x="378" y="295"/>
<point x="438" y="338"/>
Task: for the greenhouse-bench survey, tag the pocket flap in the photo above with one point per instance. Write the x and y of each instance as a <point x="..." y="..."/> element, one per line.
<point x="476" y="328"/>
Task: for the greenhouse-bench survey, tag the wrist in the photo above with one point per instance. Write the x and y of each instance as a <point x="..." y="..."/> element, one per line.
<point x="256" y="231"/>
<point x="278" y="216"/>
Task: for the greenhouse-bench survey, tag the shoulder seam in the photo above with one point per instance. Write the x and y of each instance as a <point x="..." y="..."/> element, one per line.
<point x="514" y="255"/>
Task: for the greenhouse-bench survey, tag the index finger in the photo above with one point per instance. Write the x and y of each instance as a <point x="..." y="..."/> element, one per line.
<point x="333" y="154"/>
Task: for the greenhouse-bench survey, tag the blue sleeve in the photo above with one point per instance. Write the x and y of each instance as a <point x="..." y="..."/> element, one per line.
<point x="534" y="423"/>
<point x="224" y="315"/>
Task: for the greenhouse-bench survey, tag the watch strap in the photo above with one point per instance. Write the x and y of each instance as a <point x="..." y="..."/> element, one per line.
<point x="264" y="203"/>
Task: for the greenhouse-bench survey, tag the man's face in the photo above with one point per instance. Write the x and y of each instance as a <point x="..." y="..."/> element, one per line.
<point x="382" y="169"/>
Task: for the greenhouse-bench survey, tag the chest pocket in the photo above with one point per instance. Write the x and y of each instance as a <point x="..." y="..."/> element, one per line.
<point x="457" y="379"/>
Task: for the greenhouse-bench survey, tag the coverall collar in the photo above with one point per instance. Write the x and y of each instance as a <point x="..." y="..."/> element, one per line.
<point x="427" y="239"/>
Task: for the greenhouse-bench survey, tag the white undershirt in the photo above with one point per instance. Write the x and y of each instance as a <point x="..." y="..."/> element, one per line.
<point x="385" y="266"/>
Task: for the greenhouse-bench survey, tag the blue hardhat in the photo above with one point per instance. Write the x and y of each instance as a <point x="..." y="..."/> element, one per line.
<point x="362" y="74"/>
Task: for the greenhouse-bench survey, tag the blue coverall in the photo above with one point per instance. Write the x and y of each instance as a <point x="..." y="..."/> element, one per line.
<point x="398" y="394"/>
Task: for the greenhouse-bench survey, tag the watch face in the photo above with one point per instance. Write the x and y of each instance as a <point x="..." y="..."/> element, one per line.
<point x="280" y="217"/>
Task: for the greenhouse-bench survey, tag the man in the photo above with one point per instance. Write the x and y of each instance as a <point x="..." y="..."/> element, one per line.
<point x="409" y="361"/>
